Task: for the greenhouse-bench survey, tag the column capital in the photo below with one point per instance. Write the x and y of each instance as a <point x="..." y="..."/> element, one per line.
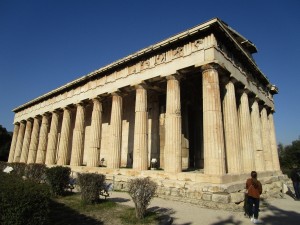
<point x="215" y="66"/>
<point x="177" y="76"/>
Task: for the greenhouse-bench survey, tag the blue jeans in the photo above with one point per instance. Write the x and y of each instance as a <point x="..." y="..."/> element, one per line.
<point x="297" y="188"/>
<point x="253" y="204"/>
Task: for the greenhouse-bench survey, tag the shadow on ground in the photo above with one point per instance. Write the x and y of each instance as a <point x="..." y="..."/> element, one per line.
<point x="63" y="215"/>
<point x="165" y="215"/>
<point x="118" y="200"/>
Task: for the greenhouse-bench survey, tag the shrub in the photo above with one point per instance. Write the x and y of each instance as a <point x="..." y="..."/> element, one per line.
<point x="35" y="172"/>
<point x="141" y="191"/>
<point x="22" y="201"/>
<point x="90" y="185"/>
<point x="19" y="168"/>
<point x="58" y="179"/>
<point x="3" y="165"/>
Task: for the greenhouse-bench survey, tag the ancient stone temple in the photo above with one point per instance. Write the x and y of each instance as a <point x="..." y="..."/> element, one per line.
<point x="196" y="103"/>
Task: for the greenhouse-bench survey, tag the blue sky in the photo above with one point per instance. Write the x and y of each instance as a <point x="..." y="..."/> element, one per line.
<point x="45" y="44"/>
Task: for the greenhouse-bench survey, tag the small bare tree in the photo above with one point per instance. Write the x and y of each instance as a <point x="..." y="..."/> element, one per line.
<point x="141" y="191"/>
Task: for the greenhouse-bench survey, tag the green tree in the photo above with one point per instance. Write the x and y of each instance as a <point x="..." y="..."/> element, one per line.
<point x="289" y="155"/>
<point x="5" y="141"/>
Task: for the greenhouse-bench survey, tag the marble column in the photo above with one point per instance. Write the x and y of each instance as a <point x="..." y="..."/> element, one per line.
<point x="63" y="148"/>
<point x="213" y="140"/>
<point x="257" y="137"/>
<point x="173" y="152"/>
<point x="53" y="137"/>
<point x="231" y="128"/>
<point x="266" y="140"/>
<point x="43" y="138"/>
<point x="276" y="165"/>
<point x="95" y="134"/>
<point x="19" y="144"/>
<point x="13" y="143"/>
<point x="246" y="138"/>
<point x="78" y="137"/>
<point x="26" y="142"/>
<point x="140" y="146"/>
<point x="34" y="141"/>
<point x="116" y="132"/>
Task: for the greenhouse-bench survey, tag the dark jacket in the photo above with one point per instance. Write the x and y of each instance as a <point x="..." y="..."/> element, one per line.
<point x="295" y="175"/>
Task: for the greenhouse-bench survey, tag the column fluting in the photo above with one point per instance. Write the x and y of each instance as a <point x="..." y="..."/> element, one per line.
<point x="276" y="165"/>
<point x="95" y="134"/>
<point x="266" y="140"/>
<point x="13" y="143"/>
<point x="257" y="137"/>
<point x="246" y="134"/>
<point x="63" y="149"/>
<point x="34" y="141"/>
<point x="213" y="139"/>
<point x="173" y="152"/>
<point x="19" y="144"/>
<point x="43" y="138"/>
<point x="53" y="137"/>
<point x="116" y="132"/>
<point x="140" y="147"/>
<point x="231" y="127"/>
<point x="26" y="142"/>
<point x="78" y="137"/>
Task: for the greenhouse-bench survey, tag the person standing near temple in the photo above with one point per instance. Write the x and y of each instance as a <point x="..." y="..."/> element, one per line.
<point x="254" y="190"/>
<point x="295" y="176"/>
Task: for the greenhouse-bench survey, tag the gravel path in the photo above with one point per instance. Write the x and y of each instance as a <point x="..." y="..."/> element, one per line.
<point x="283" y="211"/>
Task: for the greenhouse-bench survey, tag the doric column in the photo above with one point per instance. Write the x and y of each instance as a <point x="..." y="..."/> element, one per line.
<point x="257" y="137"/>
<point x="172" y="154"/>
<point x="13" y="143"/>
<point x="246" y="139"/>
<point x="78" y="137"/>
<point x="213" y="140"/>
<point x="266" y="140"/>
<point x="53" y="137"/>
<point x="63" y="148"/>
<point x="26" y="142"/>
<point x="276" y="165"/>
<point x="231" y="127"/>
<point x="95" y="134"/>
<point x="140" y="146"/>
<point x="19" y="144"/>
<point x="34" y="141"/>
<point x="116" y="130"/>
<point x="43" y="138"/>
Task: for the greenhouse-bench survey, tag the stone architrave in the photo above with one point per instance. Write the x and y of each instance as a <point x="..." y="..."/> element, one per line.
<point x="116" y="129"/>
<point x="173" y="153"/>
<point x="26" y="142"/>
<point x="246" y="134"/>
<point x="78" y="137"/>
<point x="63" y="148"/>
<point x="53" y="137"/>
<point x="95" y="134"/>
<point x="231" y="128"/>
<point x="266" y="140"/>
<point x="257" y="137"/>
<point x="13" y="143"/>
<point x="43" y="138"/>
<point x="213" y="140"/>
<point x="276" y="165"/>
<point x="140" y="147"/>
<point x="19" y="144"/>
<point x="34" y="141"/>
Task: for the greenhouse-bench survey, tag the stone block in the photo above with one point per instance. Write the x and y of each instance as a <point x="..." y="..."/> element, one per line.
<point x="221" y="198"/>
<point x="206" y="197"/>
<point x="237" y="197"/>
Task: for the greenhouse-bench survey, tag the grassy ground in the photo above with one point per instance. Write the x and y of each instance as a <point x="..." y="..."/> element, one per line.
<point x="69" y="210"/>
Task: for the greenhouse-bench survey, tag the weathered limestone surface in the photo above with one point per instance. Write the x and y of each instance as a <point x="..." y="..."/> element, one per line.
<point x="116" y="128"/>
<point x="53" y="138"/>
<point x="95" y="135"/>
<point x="273" y="144"/>
<point x="213" y="141"/>
<point x="172" y="151"/>
<point x="266" y="140"/>
<point x="231" y="127"/>
<point x="19" y="144"/>
<point x="26" y="142"/>
<point x="140" y="149"/>
<point x="13" y="143"/>
<point x="43" y="139"/>
<point x="34" y="141"/>
<point x="246" y="134"/>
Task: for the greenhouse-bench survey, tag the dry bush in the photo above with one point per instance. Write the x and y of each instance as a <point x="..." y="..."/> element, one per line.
<point x="141" y="191"/>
